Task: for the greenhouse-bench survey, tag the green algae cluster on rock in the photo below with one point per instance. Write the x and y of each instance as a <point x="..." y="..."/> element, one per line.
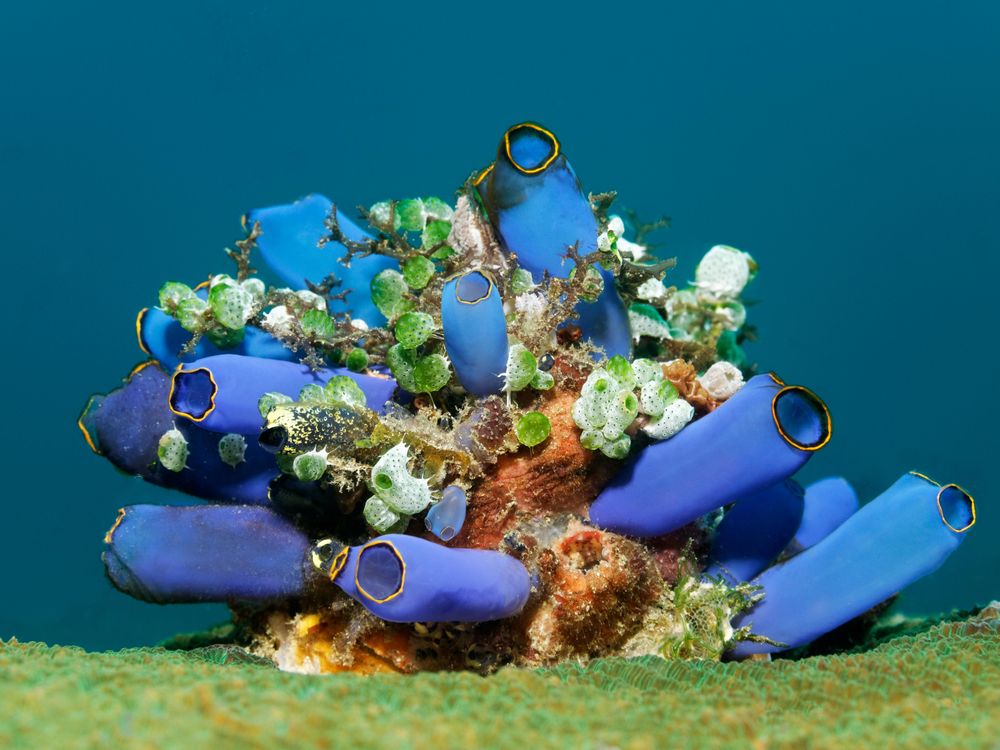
<point x="938" y="688"/>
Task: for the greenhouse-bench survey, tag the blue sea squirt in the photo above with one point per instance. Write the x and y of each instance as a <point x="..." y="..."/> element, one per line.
<point x="462" y="434"/>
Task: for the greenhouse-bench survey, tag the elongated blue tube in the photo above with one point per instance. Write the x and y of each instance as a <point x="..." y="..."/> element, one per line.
<point x="162" y="337"/>
<point x="407" y="579"/>
<point x="828" y="503"/>
<point x="205" y="553"/>
<point x="221" y="393"/>
<point x="475" y="332"/>
<point x="899" y="537"/>
<point x="539" y="209"/>
<point x="763" y="434"/>
<point x="125" y="426"/>
<point x="755" y="530"/>
<point x="289" y="244"/>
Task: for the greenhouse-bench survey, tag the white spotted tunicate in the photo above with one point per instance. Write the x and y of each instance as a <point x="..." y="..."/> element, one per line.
<point x="621" y="414"/>
<point x="278" y="321"/>
<point x="655" y="396"/>
<point x="722" y="380"/>
<point x="646" y="325"/>
<point x="380" y="516"/>
<point x="651" y="290"/>
<point x="172" y="450"/>
<point x="646" y="370"/>
<point x="395" y="486"/>
<point x="232" y="449"/>
<point x="723" y="271"/>
<point x="674" y="418"/>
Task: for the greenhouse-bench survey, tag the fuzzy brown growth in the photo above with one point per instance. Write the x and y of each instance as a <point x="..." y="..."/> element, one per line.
<point x="685" y="379"/>
<point x="677" y="554"/>
<point x="598" y="586"/>
<point x="558" y="476"/>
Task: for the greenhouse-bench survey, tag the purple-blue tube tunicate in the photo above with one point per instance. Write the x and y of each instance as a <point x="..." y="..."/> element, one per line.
<point x="475" y="332"/>
<point x="536" y="202"/>
<point x="162" y="337"/>
<point x="125" y="426"/>
<point x="899" y="537"/>
<point x="205" y="553"/>
<point x="289" y="242"/>
<point x="828" y="503"/>
<point x="447" y="516"/>
<point x="221" y="393"/>
<point x="754" y="531"/>
<point x="760" y="436"/>
<point x="407" y="579"/>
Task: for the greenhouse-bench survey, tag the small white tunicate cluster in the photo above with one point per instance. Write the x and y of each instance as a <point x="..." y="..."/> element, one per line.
<point x="724" y="271"/>
<point x="613" y="241"/>
<point x="722" y="380"/>
<point x="278" y="322"/>
<point x="397" y="493"/>
<point x="608" y="405"/>
<point x="652" y="290"/>
<point x="644" y="320"/>
<point x="172" y="450"/>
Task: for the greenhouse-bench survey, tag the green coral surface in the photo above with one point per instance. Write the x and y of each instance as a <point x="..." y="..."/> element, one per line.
<point x="939" y="688"/>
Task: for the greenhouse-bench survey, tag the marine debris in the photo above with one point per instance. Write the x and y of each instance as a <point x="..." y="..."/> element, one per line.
<point x="459" y="435"/>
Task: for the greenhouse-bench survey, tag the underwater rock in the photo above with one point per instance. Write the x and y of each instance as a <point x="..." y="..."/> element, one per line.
<point x="530" y="493"/>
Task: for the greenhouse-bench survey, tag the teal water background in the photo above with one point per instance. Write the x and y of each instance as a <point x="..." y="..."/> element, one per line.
<point x="851" y="147"/>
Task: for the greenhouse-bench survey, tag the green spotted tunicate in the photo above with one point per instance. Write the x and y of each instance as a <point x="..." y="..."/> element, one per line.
<point x="435" y="233"/>
<point x="232" y="449"/>
<point x="172" y="294"/>
<point x="378" y="216"/>
<point x="231" y="305"/>
<point x="418" y="270"/>
<point x="542" y="381"/>
<point x="269" y="400"/>
<point x="621" y="371"/>
<point x="172" y="450"/>
<point x="312" y="393"/>
<point x="225" y="338"/>
<point x="341" y="389"/>
<point x="431" y="373"/>
<point x="192" y="314"/>
<point x="532" y="428"/>
<point x="411" y="214"/>
<point x="308" y="467"/>
<point x="522" y="281"/>
<point x="413" y="328"/>
<point x="317" y="324"/>
<point x="435" y="208"/>
<point x="521" y="368"/>
<point x="389" y="293"/>
<point x="402" y="362"/>
<point x="617" y="448"/>
<point x="357" y="360"/>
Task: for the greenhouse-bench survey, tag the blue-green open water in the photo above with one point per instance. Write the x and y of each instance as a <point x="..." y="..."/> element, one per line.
<point x="851" y="147"/>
